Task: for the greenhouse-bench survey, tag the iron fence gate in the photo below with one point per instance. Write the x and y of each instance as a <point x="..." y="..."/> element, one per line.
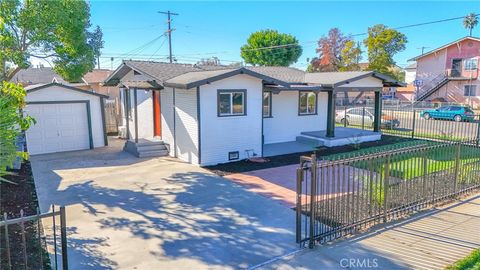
<point x="28" y="242"/>
<point x="352" y="193"/>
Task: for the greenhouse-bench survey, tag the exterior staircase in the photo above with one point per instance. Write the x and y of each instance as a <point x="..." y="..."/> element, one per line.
<point x="429" y="88"/>
<point x="147" y="148"/>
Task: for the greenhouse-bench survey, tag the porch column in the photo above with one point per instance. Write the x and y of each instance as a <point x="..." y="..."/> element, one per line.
<point x="126" y="97"/>
<point x="331" y="114"/>
<point x="136" y="114"/>
<point x="378" y="111"/>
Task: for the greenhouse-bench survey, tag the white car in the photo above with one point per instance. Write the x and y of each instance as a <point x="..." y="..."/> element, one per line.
<point x="361" y="116"/>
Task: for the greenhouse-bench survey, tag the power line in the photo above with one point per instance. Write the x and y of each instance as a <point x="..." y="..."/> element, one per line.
<point x="161" y="45"/>
<point x="354" y="35"/>
<point x="185" y="56"/>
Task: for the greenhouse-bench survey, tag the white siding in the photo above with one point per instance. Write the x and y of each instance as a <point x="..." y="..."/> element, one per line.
<point x="285" y="123"/>
<point x="58" y="93"/>
<point x="186" y="127"/>
<point x="221" y="135"/>
<point x="145" y="114"/>
<point x="166" y="105"/>
<point x="365" y="82"/>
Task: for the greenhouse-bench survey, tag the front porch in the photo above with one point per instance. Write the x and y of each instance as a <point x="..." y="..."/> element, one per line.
<point x="310" y="141"/>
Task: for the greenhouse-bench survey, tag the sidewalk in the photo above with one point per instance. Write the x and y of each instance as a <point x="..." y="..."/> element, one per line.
<point x="430" y="240"/>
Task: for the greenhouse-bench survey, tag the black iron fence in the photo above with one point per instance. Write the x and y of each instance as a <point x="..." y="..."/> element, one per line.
<point x="344" y="195"/>
<point x="414" y="123"/>
<point x="34" y="242"/>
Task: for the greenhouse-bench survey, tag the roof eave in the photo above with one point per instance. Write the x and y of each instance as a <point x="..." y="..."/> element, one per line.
<point x="67" y="87"/>
<point x="242" y="70"/>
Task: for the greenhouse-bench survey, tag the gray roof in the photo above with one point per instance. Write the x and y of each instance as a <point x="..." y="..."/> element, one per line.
<point x="40" y="75"/>
<point x="164" y="71"/>
<point x="187" y="76"/>
<point x="197" y="78"/>
<point x="286" y="74"/>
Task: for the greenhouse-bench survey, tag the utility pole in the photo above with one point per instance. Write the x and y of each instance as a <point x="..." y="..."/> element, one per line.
<point x="168" y="13"/>
<point x="423" y="49"/>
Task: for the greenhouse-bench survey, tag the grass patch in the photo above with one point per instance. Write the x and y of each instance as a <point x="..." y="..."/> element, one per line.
<point x="471" y="262"/>
<point x="411" y="165"/>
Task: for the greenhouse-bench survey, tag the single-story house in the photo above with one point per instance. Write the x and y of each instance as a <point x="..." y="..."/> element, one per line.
<point x="67" y="118"/>
<point x="215" y="114"/>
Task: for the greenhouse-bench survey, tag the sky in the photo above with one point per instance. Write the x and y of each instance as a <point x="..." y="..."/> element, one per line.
<point x="207" y="29"/>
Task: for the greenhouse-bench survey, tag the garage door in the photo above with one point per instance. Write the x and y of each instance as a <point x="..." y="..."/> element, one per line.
<point x="59" y="127"/>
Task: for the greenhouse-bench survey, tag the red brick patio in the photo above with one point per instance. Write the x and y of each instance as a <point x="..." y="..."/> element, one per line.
<point x="276" y="183"/>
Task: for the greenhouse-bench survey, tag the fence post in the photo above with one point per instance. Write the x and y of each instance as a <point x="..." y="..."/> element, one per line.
<point x="345" y="116"/>
<point x="385" y="188"/>
<point x="363" y="117"/>
<point x="24" y="241"/>
<point x="39" y="235"/>
<point x="425" y="173"/>
<point x="478" y="131"/>
<point x="413" y="123"/>
<point x="7" y="241"/>
<point x="313" y="190"/>
<point x="299" y="205"/>
<point x="457" y="166"/>
<point x="63" y="236"/>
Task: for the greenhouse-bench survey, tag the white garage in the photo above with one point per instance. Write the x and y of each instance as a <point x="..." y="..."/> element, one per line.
<point x="67" y="119"/>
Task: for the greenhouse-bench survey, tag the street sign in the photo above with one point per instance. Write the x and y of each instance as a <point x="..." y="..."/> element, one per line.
<point x="418" y="83"/>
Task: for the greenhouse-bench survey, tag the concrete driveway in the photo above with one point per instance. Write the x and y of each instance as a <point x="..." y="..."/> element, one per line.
<point x="130" y="213"/>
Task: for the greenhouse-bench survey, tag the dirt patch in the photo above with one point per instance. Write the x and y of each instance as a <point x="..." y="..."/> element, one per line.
<point x="289" y="159"/>
<point x="13" y="199"/>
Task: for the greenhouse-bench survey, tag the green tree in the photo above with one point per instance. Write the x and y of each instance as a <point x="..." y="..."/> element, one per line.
<point x="271" y="48"/>
<point x="46" y="29"/>
<point x="96" y="42"/>
<point x="469" y="22"/>
<point x="12" y="124"/>
<point x="382" y="44"/>
<point x="350" y="56"/>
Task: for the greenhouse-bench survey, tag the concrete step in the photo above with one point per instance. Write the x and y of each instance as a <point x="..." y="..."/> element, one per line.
<point x="151" y="147"/>
<point x="309" y="140"/>
<point x="147" y="148"/>
<point x="143" y="142"/>
<point x="154" y="153"/>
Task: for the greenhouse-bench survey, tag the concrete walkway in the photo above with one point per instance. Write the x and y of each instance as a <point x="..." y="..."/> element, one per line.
<point x="130" y="213"/>
<point x="430" y="240"/>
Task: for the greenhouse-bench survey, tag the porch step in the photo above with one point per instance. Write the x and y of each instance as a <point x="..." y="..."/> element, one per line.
<point x="312" y="141"/>
<point x="147" y="148"/>
<point x="153" y="153"/>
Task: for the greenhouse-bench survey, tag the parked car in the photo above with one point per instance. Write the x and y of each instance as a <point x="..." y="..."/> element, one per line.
<point x="457" y="113"/>
<point x="361" y="116"/>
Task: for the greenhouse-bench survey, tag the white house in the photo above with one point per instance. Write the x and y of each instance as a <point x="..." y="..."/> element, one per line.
<point x="214" y="114"/>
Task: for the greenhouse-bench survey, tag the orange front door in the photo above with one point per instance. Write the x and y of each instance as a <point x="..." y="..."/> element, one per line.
<point x="157" y="124"/>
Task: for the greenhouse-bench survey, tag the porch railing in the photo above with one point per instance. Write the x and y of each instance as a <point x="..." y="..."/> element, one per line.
<point x="339" y="197"/>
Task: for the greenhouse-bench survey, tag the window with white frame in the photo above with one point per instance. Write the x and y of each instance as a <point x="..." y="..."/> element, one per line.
<point x="470" y="90"/>
<point x="307" y="103"/>
<point x="471" y="64"/>
<point x="267" y="104"/>
<point x="231" y="102"/>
